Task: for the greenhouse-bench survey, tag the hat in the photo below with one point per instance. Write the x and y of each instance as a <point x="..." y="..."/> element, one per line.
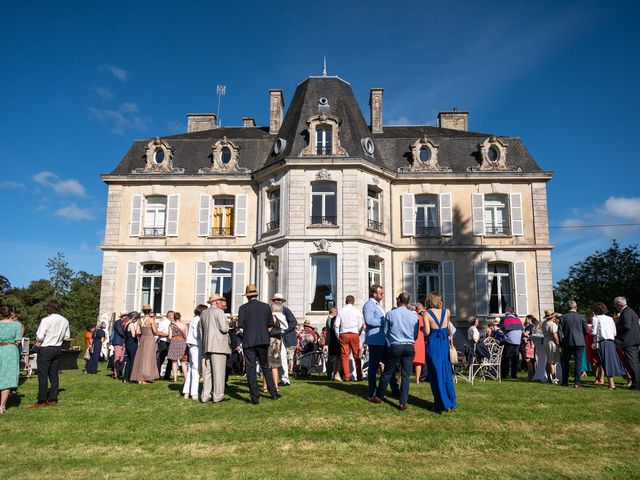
<point x="549" y="314"/>
<point x="278" y="296"/>
<point x="134" y="314"/>
<point x="251" y="291"/>
<point x="495" y="321"/>
<point x="307" y="323"/>
<point x="146" y="306"/>
<point x="214" y="298"/>
<point x="124" y="313"/>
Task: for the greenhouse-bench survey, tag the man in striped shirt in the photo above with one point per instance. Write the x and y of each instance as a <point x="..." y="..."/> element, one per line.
<point x="512" y="327"/>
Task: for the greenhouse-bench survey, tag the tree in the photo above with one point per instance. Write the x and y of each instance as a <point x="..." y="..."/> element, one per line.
<point x="81" y="304"/>
<point x="30" y="303"/>
<point x="601" y="277"/>
<point x="5" y="286"/>
<point x="60" y="274"/>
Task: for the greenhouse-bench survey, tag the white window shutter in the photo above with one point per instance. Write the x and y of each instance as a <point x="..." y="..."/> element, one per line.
<point x="169" y="286"/>
<point x="241" y="215"/>
<point x="446" y="215"/>
<point x="173" y="207"/>
<point x="477" y="203"/>
<point x="482" y="288"/>
<point x="238" y="286"/>
<point x="520" y="273"/>
<point x="131" y="287"/>
<point x="517" y="225"/>
<point x="409" y="279"/>
<point x="408" y="215"/>
<point x="201" y="283"/>
<point x="204" y="216"/>
<point x="136" y="215"/>
<point x="449" y="285"/>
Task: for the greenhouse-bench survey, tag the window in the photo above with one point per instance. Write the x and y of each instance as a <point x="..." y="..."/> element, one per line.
<point x="323" y="204"/>
<point x="158" y="156"/>
<point x="375" y="271"/>
<point x="273" y="198"/>
<point x="225" y="155"/>
<point x="496" y="218"/>
<point x="223" y="216"/>
<point x="427" y="280"/>
<point x="222" y="282"/>
<point x="426" y="214"/>
<point x="373" y="210"/>
<point x="499" y="287"/>
<point x="151" y="287"/>
<point x="323" y="282"/>
<point x="324" y="141"/>
<point x="155" y="214"/>
<point x="425" y="155"/>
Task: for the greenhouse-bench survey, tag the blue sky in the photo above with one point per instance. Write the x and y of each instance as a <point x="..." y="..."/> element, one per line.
<point x="82" y="80"/>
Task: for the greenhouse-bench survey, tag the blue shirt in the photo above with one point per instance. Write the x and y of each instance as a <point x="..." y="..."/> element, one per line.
<point x="373" y="315"/>
<point x="400" y="326"/>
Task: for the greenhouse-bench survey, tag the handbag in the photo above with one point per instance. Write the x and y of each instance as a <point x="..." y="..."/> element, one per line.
<point x="276" y="332"/>
<point x="453" y="354"/>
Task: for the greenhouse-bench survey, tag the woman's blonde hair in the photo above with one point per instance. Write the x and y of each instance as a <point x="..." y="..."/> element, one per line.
<point x="434" y="300"/>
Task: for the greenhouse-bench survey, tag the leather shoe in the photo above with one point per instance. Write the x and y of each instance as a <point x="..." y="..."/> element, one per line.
<point x="403" y="406"/>
<point x="52" y="403"/>
<point x="276" y="396"/>
<point x="223" y="400"/>
<point x="375" y="399"/>
<point x="38" y="405"/>
<point x="255" y="402"/>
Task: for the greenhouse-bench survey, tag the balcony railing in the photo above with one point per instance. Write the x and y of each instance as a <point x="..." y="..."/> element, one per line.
<point x="221" y="231"/>
<point x="273" y="225"/>
<point x="497" y="229"/>
<point x="323" y="220"/>
<point x="428" y="231"/>
<point x="374" y="225"/>
<point x="153" y="232"/>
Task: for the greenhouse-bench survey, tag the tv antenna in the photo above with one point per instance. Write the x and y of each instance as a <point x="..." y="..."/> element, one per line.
<point x="221" y="90"/>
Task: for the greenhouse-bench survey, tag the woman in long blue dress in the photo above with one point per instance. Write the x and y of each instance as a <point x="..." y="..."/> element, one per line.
<point x="436" y="321"/>
<point x="98" y="339"/>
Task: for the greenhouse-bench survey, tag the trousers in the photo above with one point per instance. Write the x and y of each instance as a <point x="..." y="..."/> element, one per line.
<point x="350" y="342"/>
<point x="378" y="354"/>
<point x="48" y="366"/>
<point x="398" y="355"/>
<point x="259" y="354"/>
<point x="118" y="357"/>
<point x="192" y="382"/>
<point x="215" y="369"/>
<point x="578" y="353"/>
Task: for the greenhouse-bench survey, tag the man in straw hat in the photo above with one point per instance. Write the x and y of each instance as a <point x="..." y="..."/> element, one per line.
<point x="214" y="332"/>
<point x="288" y="339"/>
<point x="255" y="319"/>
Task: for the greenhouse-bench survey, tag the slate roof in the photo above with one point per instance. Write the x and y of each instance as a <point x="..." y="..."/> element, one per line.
<point x="457" y="151"/>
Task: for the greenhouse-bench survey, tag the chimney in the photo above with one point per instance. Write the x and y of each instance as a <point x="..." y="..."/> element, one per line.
<point x="276" y="107"/>
<point x="248" y="122"/>
<point x="454" y="120"/>
<point x="197" y="122"/>
<point x="375" y="102"/>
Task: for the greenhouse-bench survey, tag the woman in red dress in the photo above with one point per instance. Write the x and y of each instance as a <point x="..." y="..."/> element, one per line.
<point x="419" y="358"/>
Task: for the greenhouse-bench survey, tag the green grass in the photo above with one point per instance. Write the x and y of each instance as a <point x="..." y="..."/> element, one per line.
<point x="106" y="429"/>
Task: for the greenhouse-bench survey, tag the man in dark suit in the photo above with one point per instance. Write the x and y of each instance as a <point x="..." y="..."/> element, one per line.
<point x="628" y="337"/>
<point x="255" y="319"/>
<point x="574" y="328"/>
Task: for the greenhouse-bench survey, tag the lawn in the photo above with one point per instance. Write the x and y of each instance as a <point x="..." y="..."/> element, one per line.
<point x="106" y="429"/>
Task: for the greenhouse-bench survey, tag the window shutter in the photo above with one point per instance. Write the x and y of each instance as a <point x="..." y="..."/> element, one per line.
<point x="449" y="285"/>
<point x="169" y="286"/>
<point x="517" y="225"/>
<point x="204" y="217"/>
<point x="477" y="202"/>
<point x="132" y="283"/>
<point x="201" y="283"/>
<point x="173" y="204"/>
<point x="136" y="216"/>
<point x="520" y="273"/>
<point x="482" y="288"/>
<point x="238" y="286"/>
<point x="241" y="215"/>
<point x="409" y="278"/>
<point x="408" y="215"/>
<point x="446" y="215"/>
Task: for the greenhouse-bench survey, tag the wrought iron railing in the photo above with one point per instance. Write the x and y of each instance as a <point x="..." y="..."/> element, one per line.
<point x="273" y="225"/>
<point x="428" y="231"/>
<point x="153" y="232"/>
<point x="374" y="225"/>
<point x="221" y="231"/>
<point x="497" y="229"/>
<point x="323" y="220"/>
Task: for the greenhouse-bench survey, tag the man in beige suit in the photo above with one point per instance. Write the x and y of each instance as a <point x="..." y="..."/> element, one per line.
<point x="214" y="332"/>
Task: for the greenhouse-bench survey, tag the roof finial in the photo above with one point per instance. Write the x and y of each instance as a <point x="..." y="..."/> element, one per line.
<point x="324" y="66"/>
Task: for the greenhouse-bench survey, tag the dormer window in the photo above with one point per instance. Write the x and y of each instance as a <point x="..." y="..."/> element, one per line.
<point x="225" y="156"/>
<point x="493" y="153"/>
<point x="324" y="141"/>
<point x="158" y="156"/>
<point x="425" y="155"/>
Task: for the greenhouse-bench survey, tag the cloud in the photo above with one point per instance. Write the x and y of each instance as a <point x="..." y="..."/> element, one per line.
<point x="104" y="93"/>
<point x="126" y="117"/>
<point x="119" y="73"/>
<point x="621" y="207"/>
<point x="74" y="213"/>
<point x="10" y="184"/>
<point x="71" y="187"/>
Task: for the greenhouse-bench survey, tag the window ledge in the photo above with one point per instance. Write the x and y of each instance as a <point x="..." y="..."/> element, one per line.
<point x="319" y="225"/>
<point x="375" y="230"/>
<point x="152" y="237"/>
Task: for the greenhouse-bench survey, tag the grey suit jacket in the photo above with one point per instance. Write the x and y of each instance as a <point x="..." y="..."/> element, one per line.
<point x="214" y="331"/>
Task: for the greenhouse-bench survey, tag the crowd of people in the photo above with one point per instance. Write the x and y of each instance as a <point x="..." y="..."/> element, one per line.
<point x="266" y="340"/>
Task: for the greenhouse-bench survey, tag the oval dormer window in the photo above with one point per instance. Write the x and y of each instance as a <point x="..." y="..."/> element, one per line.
<point x="279" y="146"/>
<point x="225" y="155"/>
<point x="425" y="155"/>
<point x="368" y="146"/>
<point x="158" y="156"/>
<point x="493" y="153"/>
<point x="323" y="101"/>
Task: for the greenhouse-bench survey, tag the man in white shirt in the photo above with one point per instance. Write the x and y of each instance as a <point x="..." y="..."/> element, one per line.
<point x="348" y="327"/>
<point x="163" y="341"/>
<point x="52" y="331"/>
